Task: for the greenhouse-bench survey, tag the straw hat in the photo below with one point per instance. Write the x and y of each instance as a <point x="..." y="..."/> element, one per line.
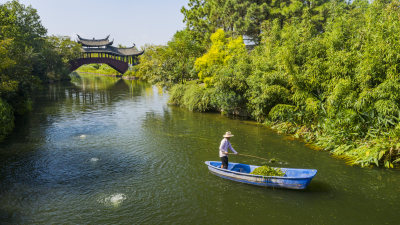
<point x="228" y="134"/>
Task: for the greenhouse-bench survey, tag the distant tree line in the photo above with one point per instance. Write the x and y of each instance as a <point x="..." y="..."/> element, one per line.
<point x="325" y="71"/>
<point x="28" y="57"/>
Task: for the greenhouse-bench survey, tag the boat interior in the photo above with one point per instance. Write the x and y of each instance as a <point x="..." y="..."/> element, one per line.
<point x="237" y="167"/>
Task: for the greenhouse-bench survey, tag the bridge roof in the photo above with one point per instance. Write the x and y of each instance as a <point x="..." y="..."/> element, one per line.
<point x="94" y="42"/>
<point x="132" y="51"/>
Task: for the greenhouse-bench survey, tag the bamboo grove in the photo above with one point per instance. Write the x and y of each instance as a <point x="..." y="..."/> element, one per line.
<point x="323" y="71"/>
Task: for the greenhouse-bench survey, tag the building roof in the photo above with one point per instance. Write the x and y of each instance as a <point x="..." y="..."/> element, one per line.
<point x="113" y="50"/>
<point x="95" y="42"/>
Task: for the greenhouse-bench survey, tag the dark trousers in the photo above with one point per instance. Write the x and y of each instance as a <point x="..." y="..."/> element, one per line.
<point x="224" y="161"/>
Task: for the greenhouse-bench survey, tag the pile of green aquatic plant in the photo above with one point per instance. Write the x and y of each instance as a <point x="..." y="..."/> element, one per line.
<point x="268" y="171"/>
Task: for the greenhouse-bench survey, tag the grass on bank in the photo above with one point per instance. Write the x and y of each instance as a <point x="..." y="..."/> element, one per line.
<point x="105" y="69"/>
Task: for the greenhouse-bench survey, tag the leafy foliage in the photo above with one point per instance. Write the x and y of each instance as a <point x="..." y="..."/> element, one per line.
<point x="268" y="171"/>
<point x="193" y="96"/>
<point x="174" y="63"/>
<point x="220" y="53"/>
<point x="28" y="57"/>
<point x="244" y="17"/>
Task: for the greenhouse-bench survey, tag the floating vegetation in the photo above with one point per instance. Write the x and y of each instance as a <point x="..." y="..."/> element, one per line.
<point x="274" y="161"/>
<point x="268" y="171"/>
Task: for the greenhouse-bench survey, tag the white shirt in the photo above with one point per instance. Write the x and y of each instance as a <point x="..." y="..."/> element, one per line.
<point x="223" y="148"/>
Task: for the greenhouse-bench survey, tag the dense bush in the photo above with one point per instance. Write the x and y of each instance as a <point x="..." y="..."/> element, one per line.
<point x="193" y="96"/>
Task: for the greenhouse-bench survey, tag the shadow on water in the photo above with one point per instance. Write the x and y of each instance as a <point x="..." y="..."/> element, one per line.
<point x="317" y="186"/>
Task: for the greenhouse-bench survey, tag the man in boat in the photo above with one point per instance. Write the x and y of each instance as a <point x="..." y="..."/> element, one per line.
<point x="223" y="149"/>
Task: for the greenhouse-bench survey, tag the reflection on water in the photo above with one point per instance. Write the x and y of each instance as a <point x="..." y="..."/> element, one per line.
<point x="101" y="150"/>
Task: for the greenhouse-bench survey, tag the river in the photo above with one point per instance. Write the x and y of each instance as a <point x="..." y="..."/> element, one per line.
<point x="99" y="150"/>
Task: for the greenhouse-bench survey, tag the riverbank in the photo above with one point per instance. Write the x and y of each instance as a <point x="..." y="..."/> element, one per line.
<point x="112" y="75"/>
<point x="305" y="77"/>
<point x="380" y="150"/>
<point x="106" y="70"/>
<point x="101" y="74"/>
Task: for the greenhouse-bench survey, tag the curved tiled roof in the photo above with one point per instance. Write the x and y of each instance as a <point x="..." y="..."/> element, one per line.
<point x="113" y="50"/>
<point x="94" y="42"/>
<point x="85" y="39"/>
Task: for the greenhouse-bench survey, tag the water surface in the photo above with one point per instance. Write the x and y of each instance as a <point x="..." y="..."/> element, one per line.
<point x="100" y="150"/>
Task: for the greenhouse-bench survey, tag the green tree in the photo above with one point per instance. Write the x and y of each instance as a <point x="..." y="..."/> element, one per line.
<point x="173" y="63"/>
<point x="181" y="52"/>
<point x="222" y="49"/>
<point x="28" y="57"/>
<point x="245" y="17"/>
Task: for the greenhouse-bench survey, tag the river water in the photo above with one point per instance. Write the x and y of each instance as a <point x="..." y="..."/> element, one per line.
<point x="99" y="150"/>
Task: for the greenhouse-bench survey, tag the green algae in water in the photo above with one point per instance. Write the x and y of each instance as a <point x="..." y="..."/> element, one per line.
<point x="268" y="171"/>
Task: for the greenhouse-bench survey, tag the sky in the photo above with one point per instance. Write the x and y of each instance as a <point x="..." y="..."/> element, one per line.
<point x="127" y="21"/>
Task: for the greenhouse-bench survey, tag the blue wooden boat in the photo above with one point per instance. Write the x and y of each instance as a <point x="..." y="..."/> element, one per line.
<point x="293" y="178"/>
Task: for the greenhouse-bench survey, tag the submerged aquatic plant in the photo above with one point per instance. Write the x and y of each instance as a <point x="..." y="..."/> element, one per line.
<point x="268" y="171"/>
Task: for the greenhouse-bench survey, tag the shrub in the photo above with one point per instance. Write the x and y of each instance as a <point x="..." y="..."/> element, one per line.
<point x="282" y="112"/>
